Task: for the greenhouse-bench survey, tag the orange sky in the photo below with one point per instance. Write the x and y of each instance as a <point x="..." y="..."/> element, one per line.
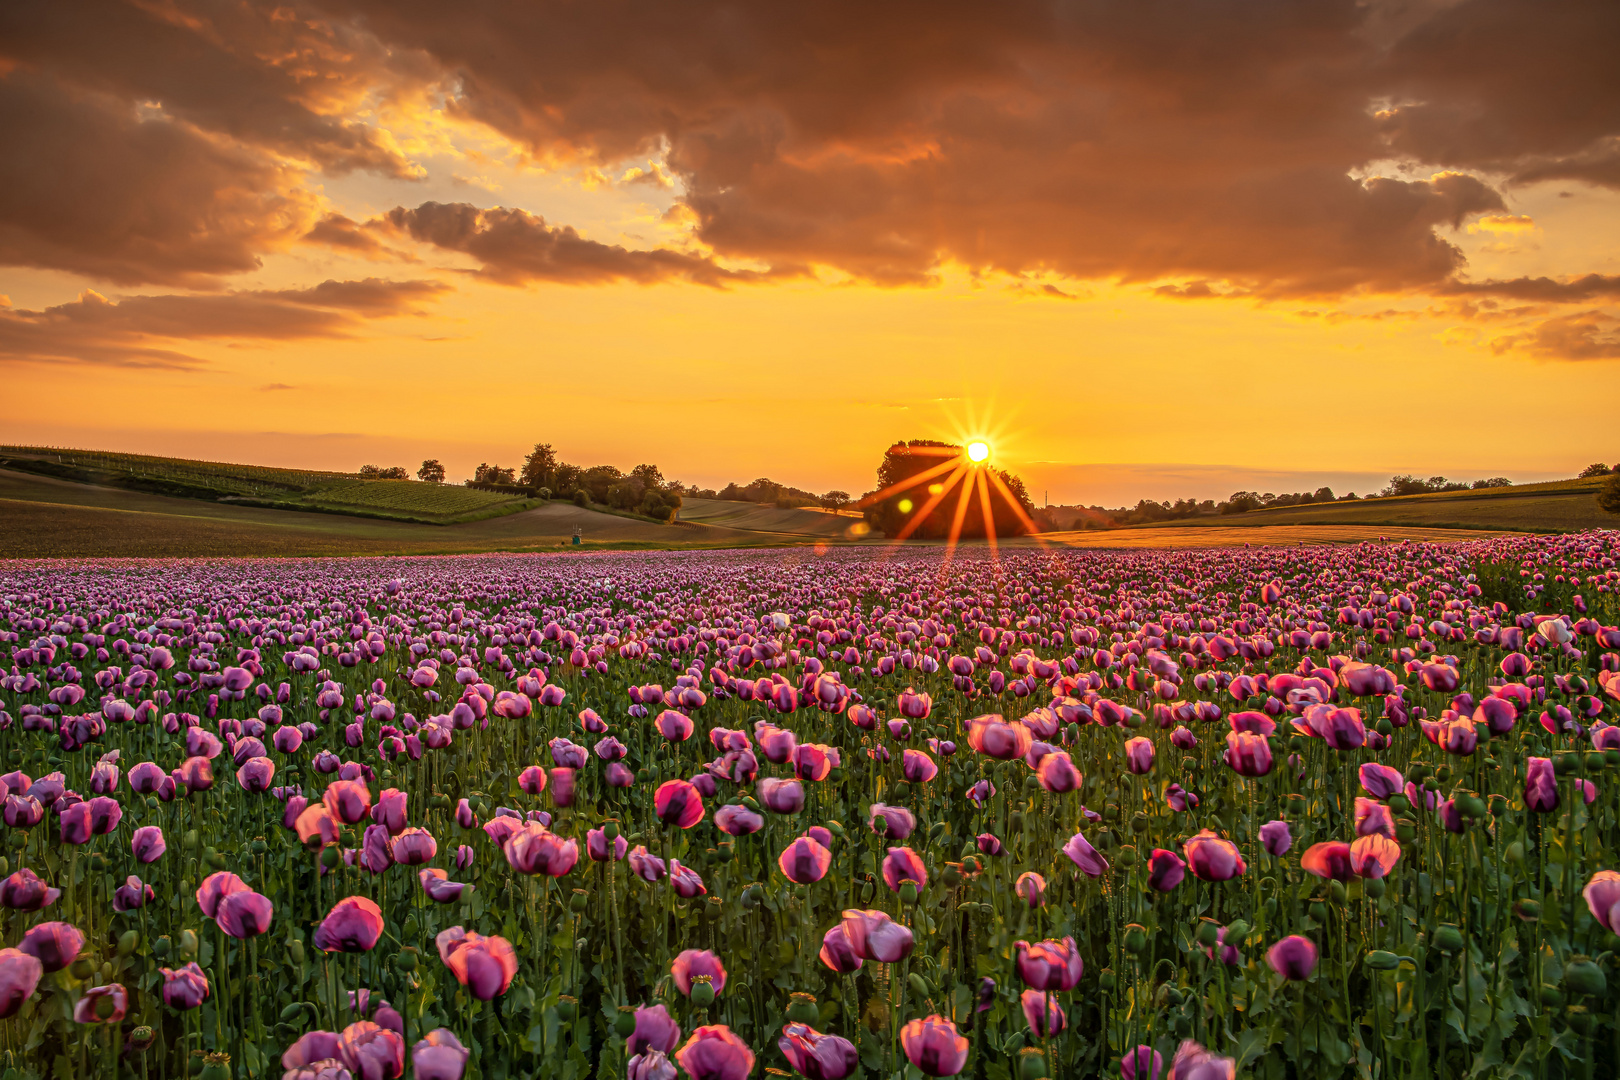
<point x="1251" y="246"/>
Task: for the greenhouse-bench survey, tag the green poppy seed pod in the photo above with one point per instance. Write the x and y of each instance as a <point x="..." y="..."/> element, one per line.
<point x="1582" y="976"/>
<point x="1405" y="830"/>
<point x="703" y="990"/>
<point x="1443" y="773"/>
<point x="19" y="838"/>
<point x="330" y="857"/>
<point x="215" y="1067"/>
<point x="105" y="1007"/>
<point x="920" y="987"/>
<point x="1498" y="805"/>
<point x="151" y="802"/>
<point x="1031" y="1064"/>
<point x="1470" y="804"/>
<point x="1236" y="931"/>
<point x="579" y="901"/>
<point x="1318" y="911"/>
<point x="1527" y="910"/>
<point x="1294" y="806"/>
<point x="188" y="945"/>
<point x="1139" y="822"/>
<point x="295" y="952"/>
<point x="714" y="908"/>
<point x="1399" y="804"/>
<point x="1566" y="763"/>
<point x="1336" y="891"/>
<point x="5" y="866"/>
<point x="1447" y="938"/>
<point x="214" y="859"/>
<point x="902" y="789"/>
<point x="1105" y="840"/>
<point x="567" y="1008"/>
<point x="1135" y="720"/>
<point x="1111" y="811"/>
<point x="908" y="892"/>
<point x="1127" y="855"/>
<point x="98" y="863"/>
<point x="1594" y="761"/>
<point x="258" y="847"/>
<point x="180" y="790"/>
<point x="1136" y="939"/>
<point x="141" y="1038"/>
<point x="1384" y="727"/>
<point x="624" y="1025"/>
<point x="1581" y="1019"/>
<point x="161" y="947"/>
<point x="802" y="1008"/>
<point x="1379" y="960"/>
<point x="1107" y="979"/>
<point x="610" y="829"/>
<point x="1373" y="888"/>
<point x="1515" y="853"/>
<point x="1013" y="1043"/>
<point x="952" y="875"/>
<point x="1209" y="933"/>
<point x="1551" y="996"/>
<point x="972" y="864"/>
<point x="1612" y="756"/>
<point x="81" y="968"/>
<point x="128" y="942"/>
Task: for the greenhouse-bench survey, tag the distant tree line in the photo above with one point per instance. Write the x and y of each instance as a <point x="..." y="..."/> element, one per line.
<point x="769" y="492"/>
<point x="377" y="472"/>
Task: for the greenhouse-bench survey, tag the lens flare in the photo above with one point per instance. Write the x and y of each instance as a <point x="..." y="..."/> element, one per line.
<point x="978" y="451"/>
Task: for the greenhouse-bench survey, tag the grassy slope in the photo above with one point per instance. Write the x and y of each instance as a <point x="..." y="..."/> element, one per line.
<point x="761" y="518"/>
<point x="1561" y="506"/>
<point x="41" y="517"/>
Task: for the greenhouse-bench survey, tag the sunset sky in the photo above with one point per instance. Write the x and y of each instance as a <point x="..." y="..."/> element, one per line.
<point x="1147" y="249"/>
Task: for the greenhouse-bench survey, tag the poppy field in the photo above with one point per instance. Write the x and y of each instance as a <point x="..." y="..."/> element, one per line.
<point x="1282" y="813"/>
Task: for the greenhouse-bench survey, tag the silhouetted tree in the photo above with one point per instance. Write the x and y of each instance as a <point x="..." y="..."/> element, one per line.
<point x="431" y="472"/>
<point x="540" y="467"/>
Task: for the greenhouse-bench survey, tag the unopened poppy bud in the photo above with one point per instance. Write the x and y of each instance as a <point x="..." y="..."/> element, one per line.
<point x="1447" y="938"/>
<point x="1373" y="888"/>
<point x="1398" y="803"/>
<point x="1136" y="939"/>
<point x="1336" y="891"/>
<point x="920" y="987"/>
<point x="1031" y="1063"/>
<point x="1582" y="976"/>
<point x="1209" y="932"/>
<point x="1236" y="931"/>
<point x="802" y="1009"/>
<point x="1405" y="830"/>
<point x="1379" y="960"/>
<point x="1317" y="911"/>
<point x="190" y="840"/>
<point x="624" y="1025"/>
<point x="936" y="831"/>
<point x="106" y="1006"/>
<point x="579" y="901"/>
<point x="128" y="942"/>
<point x="1515" y="853"/>
<point x="81" y="968"/>
<point x="295" y="952"/>
<point x="161" y="947"/>
<point x="188" y="945"/>
<point x="866" y="893"/>
<point x="330" y="857"/>
<point x="1527" y="910"/>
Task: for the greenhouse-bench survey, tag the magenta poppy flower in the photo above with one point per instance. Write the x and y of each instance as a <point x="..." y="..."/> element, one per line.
<point x="863" y="717"/>
<point x="934" y="1047"/>
<point x="532" y="780"/>
<point x="196" y="772"/>
<point x="981" y="792"/>
<point x="145" y="778"/>
<point x="678" y="803"/>
<point x="776" y="743"/>
<point x="646" y="866"/>
<point x="649" y="1064"/>
<point x="20" y="973"/>
<point x="26" y="891"/>
<point x="1374" y="818"/>
<point x="1275" y="838"/>
<point x="781" y="796"/>
<point x="714" y="1053"/>
<point x="902" y="865"/>
<point x="1031" y="888"/>
<point x="105" y="814"/>
<point x="256" y="775"/>
<point x="1247" y="754"/>
<point x="875" y="936"/>
<point x="353" y="925"/>
<point x="147" y="844"/>
<point x="816" y="1056"/>
<point x="1056" y="773"/>
<point x="1086" y="857"/>
<point x="1179" y="799"/>
<point x="184" y="988"/>
<point x="655" y="1030"/>
<point x="804" y="861"/>
<point x="375" y="856"/>
<point x="1328" y="860"/>
<point x="1602" y="895"/>
<point x="1042" y="1013"/>
<point x="1294" y="958"/>
<point x="1374" y="855"/>
<point x="1142" y="1063"/>
<point x="371" y="1051"/>
<point x="1380" y="781"/>
<point x="812" y="761"/>
<point x="1213" y="859"/>
<point x="75" y="824"/>
<point x="1451" y="817"/>
<point x="1049" y="965"/>
<point x="1227" y="954"/>
<point x="737" y="820"/>
<point x="349" y="801"/>
<point x="685" y="881"/>
<point x="215" y="887"/>
<point x="1540" y="785"/>
<point x="674" y="726"/>
<point x="390" y="810"/>
<point x="412" y="847"/>
<point x="562" y="786"/>
<point x="312" y="1048"/>
<point x="897" y="822"/>
<point x="316" y="827"/>
<point x="132" y="894"/>
<point x="1193" y="1062"/>
<point x="534" y="849"/>
<point x="838" y="952"/>
<point x="244" y="914"/>
<point x="992" y="736"/>
<point x="599" y="850"/>
<point x="484" y="965"/>
<point x="436" y="884"/>
<point x="439" y="1055"/>
<point x="23" y="811"/>
<point x="694" y="965"/>
<point x="88" y="1009"/>
<point x="1139" y="755"/>
<point x="915" y="706"/>
<point x="610" y="749"/>
<point x="1165" y="870"/>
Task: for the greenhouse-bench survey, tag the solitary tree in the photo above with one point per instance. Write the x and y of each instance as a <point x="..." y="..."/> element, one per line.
<point x="431" y="472"/>
<point x="835" y="500"/>
<point x="1609" y="495"/>
<point x="540" y="467"/>
<point x="1597" y="468"/>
